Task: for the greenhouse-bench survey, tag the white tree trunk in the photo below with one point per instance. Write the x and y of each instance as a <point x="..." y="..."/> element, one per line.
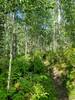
<point x="26" y="40"/>
<point x="10" y="64"/>
<point x="11" y="54"/>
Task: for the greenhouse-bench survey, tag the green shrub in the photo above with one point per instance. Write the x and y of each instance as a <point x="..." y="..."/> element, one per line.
<point x="51" y="56"/>
<point x="3" y="94"/>
<point x="70" y="55"/>
<point x="39" y="93"/>
<point x="70" y="83"/>
<point x="71" y="80"/>
<point x="38" y="65"/>
<point x="4" y="62"/>
<point x="72" y="94"/>
<point x="38" y="53"/>
<point x="18" y="96"/>
<point x="29" y="82"/>
<point x="3" y="80"/>
<point x="20" y="67"/>
<point x="46" y="82"/>
<point x="26" y="85"/>
<point x="3" y="72"/>
<point x="34" y="87"/>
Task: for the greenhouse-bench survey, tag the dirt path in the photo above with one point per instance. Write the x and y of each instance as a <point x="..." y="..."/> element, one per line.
<point x="60" y="89"/>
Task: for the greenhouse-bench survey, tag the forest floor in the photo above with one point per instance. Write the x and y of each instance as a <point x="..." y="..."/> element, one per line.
<point x="60" y="89"/>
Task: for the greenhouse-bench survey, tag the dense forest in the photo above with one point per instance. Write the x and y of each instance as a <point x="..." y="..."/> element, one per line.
<point x="37" y="49"/>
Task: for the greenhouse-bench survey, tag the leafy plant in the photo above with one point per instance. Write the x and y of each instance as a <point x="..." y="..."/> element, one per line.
<point x="39" y="93"/>
<point x="38" y="64"/>
<point x="3" y="94"/>
<point x="20" y="67"/>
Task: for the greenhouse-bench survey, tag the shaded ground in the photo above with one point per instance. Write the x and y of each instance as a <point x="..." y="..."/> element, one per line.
<point x="60" y="89"/>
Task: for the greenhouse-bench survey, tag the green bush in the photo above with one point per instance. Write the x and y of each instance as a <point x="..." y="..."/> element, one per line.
<point x="26" y="85"/>
<point x="70" y="55"/>
<point x="51" y="56"/>
<point x="3" y="72"/>
<point x="28" y="80"/>
<point x="48" y="90"/>
<point x="20" y="67"/>
<point x="4" y="63"/>
<point x="70" y="82"/>
<point x="38" y="53"/>
<point x="34" y="87"/>
<point x="72" y="94"/>
<point x="39" y="93"/>
<point x="3" y="80"/>
<point x="18" y="96"/>
<point x="3" y="94"/>
<point x="38" y="65"/>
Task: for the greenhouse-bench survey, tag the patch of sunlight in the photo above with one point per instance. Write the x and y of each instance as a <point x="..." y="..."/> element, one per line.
<point x="39" y="92"/>
<point x="63" y="65"/>
<point x="74" y="49"/>
<point x="46" y="62"/>
<point x="72" y="95"/>
<point x="43" y="77"/>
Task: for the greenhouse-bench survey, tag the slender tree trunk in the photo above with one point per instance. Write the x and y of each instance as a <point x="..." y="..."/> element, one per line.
<point x="13" y="46"/>
<point x="26" y="40"/>
<point x="10" y="64"/>
<point x="56" y="35"/>
<point x="54" y="46"/>
<point x="26" y="47"/>
<point x="14" y="53"/>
